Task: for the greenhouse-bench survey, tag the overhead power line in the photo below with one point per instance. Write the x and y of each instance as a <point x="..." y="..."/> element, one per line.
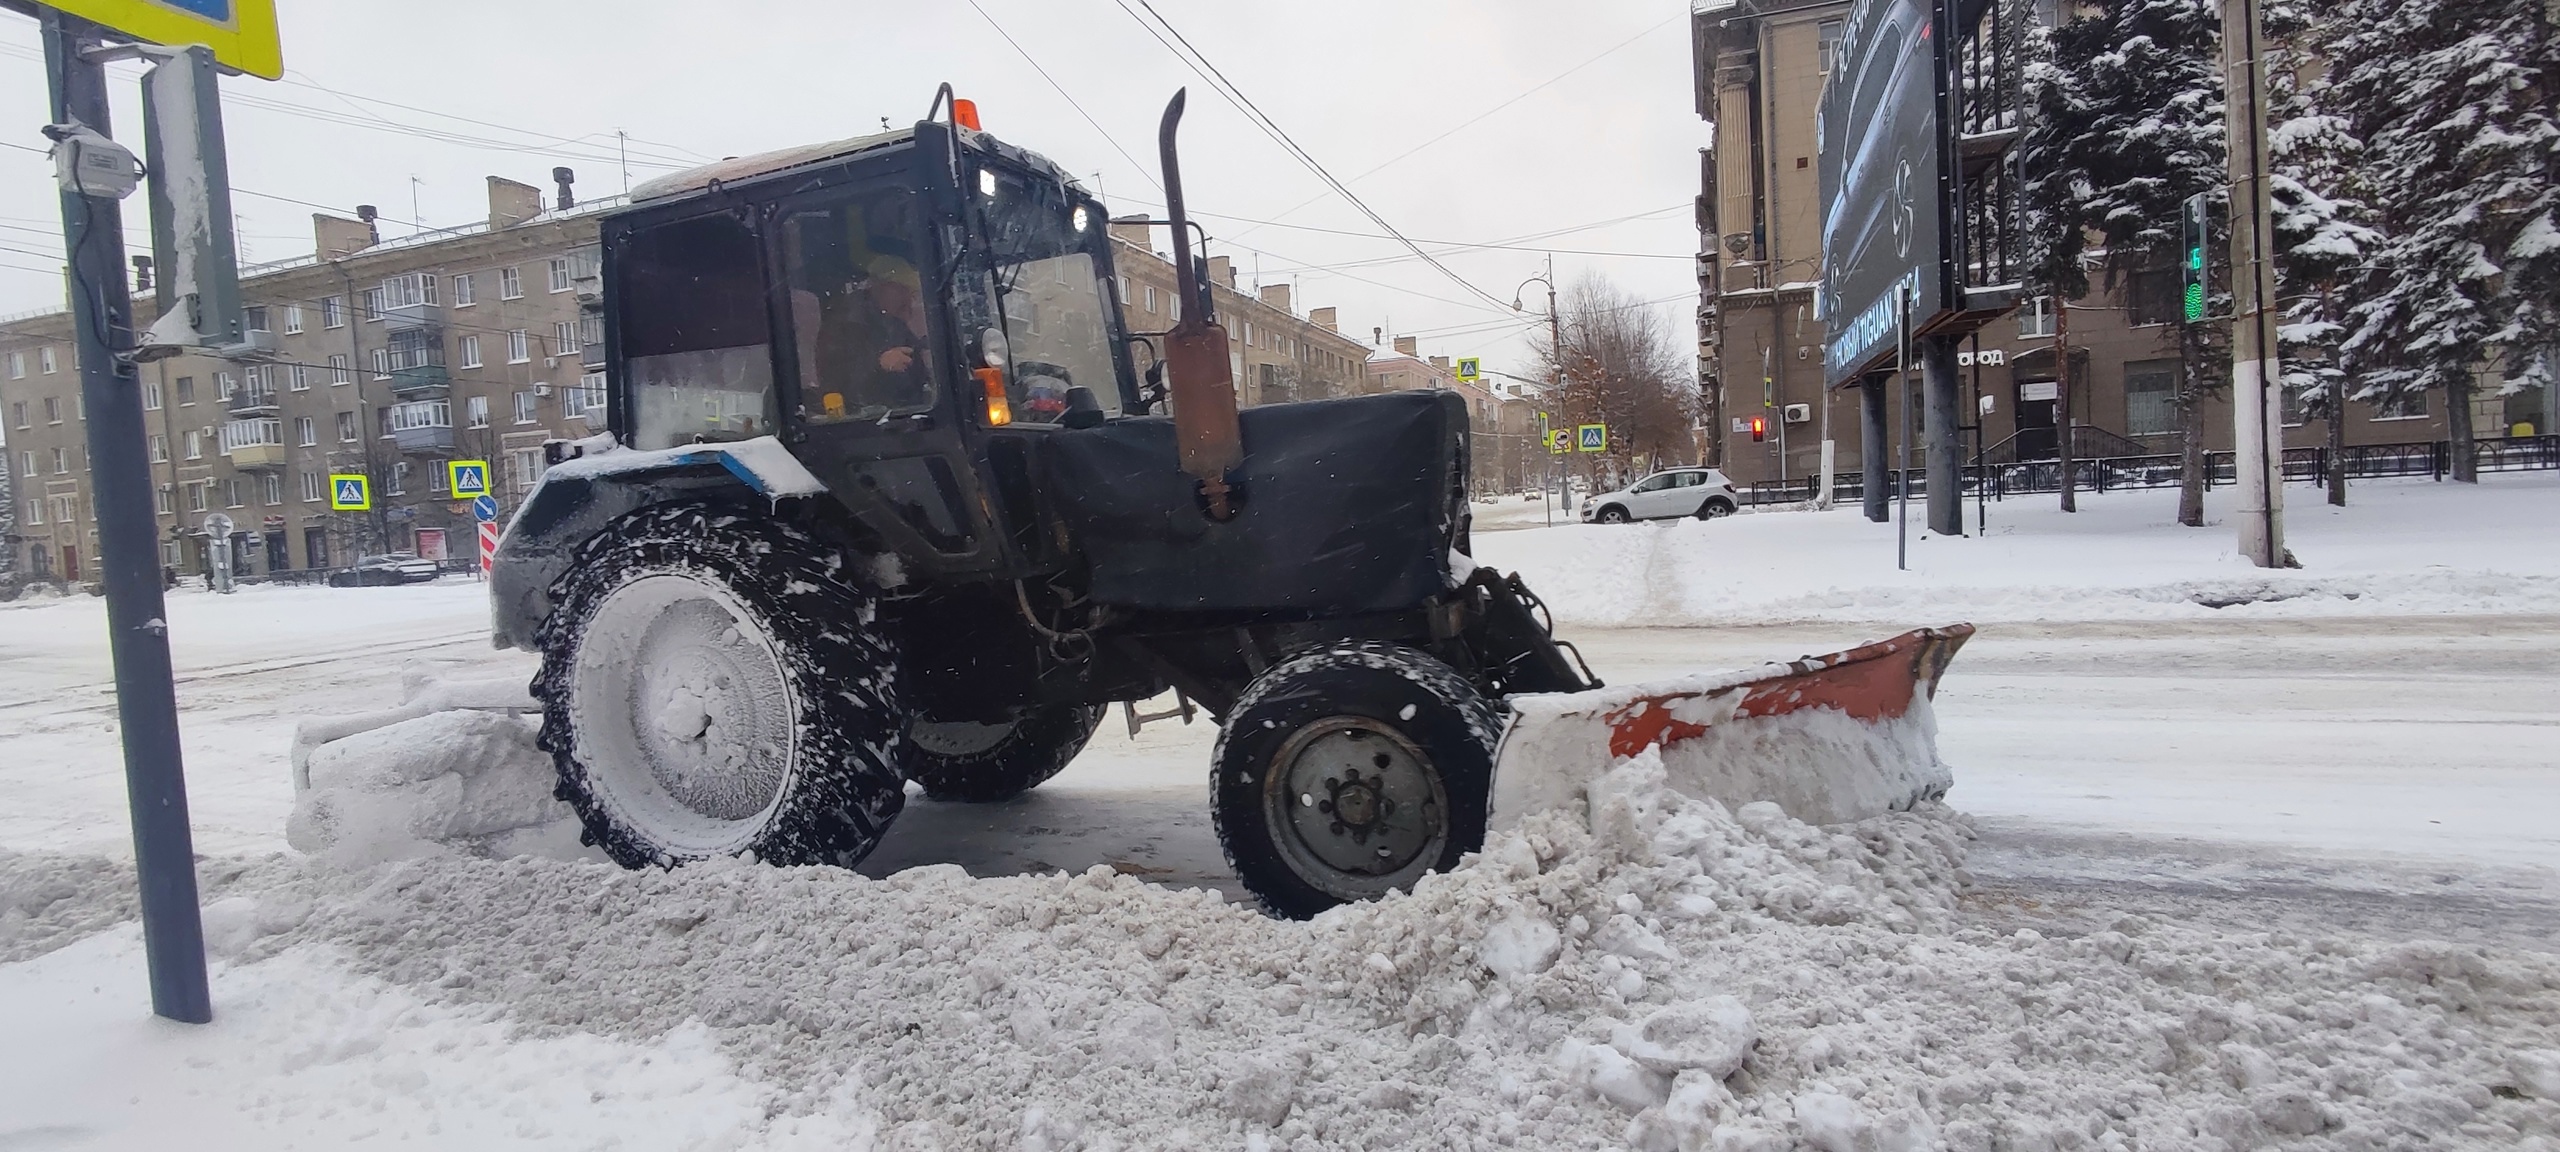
<point x="1200" y="65"/>
<point x="1098" y="129"/>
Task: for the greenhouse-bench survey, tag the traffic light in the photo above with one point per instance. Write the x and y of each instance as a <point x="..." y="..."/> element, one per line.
<point x="2193" y="233"/>
<point x="1759" y="429"/>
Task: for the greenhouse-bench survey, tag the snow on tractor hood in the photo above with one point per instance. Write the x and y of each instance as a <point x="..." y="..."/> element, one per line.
<point x="762" y="464"/>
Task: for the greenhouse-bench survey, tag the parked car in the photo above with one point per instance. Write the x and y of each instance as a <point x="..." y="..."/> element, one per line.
<point x="376" y="571"/>
<point x="1665" y="495"/>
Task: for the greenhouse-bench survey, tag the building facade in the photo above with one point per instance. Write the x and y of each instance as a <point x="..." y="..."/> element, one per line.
<point x="1760" y="67"/>
<point x="393" y="359"/>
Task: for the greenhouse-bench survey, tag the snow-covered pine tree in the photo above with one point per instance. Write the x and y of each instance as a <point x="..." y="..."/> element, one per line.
<point x="2452" y="99"/>
<point x="2133" y="129"/>
<point x="2322" y="235"/>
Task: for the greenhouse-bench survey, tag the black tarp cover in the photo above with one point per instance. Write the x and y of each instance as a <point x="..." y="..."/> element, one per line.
<point x="1348" y="507"/>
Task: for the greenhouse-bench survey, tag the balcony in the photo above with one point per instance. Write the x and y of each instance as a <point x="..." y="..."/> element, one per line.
<point x="253" y="401"/>
<point x="402" y="317"/>
<point x="430" y="438"/>
<point x="254" y="444"/>
<point x="421" y="382"/>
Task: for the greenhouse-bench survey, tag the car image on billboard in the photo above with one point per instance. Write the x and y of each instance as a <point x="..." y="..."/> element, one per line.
<point x="1878" y="137"/>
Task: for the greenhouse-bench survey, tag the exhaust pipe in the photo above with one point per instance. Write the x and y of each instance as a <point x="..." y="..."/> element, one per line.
<point x="1203" y="388"/>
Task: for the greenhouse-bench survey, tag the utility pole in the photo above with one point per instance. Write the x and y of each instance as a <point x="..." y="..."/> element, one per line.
<point x="128" y="539"/>
<point x="2062" y="400"/>
<point x="2256" y="374"/>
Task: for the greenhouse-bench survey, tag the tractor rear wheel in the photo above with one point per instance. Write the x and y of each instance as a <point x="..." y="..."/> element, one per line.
<point x="1349" y="771"/>
<point x="981" y="763"/>
<point x="709" y="688"/>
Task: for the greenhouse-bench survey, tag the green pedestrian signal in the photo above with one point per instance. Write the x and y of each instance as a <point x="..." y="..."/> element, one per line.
<point x="2195" y="231"/>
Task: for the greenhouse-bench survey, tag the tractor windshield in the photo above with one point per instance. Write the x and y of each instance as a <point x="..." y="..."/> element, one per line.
<point x="1044" y="276"/>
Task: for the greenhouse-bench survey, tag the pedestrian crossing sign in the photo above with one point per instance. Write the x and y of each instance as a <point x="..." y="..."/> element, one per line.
<point x="349" y="492"/>
<point x="1470" y="369"/>
<point x="469" y="478"/>
<point x="1592" y="437"/>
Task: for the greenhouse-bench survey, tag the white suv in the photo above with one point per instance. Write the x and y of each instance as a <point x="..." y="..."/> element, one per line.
<point x="1668" y="494"/>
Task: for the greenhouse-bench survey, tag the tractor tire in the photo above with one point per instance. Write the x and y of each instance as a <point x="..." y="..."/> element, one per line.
<point x="1613" y="514"/>
<point x="1715" y="507"/>
<point x="1302" y="825"/>
<point x="712" y="685"/>
<point x="983" y="763"/>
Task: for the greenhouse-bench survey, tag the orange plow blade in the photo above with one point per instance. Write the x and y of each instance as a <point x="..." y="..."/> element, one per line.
<point x="1827" y="738"/>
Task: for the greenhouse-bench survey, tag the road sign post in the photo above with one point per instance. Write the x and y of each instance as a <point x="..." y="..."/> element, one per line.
<point x="488" y="546"/>
<point x="128" y="542"/>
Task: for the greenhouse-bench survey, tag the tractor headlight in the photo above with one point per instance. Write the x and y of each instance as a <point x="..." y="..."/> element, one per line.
<point x="992" y="349"/>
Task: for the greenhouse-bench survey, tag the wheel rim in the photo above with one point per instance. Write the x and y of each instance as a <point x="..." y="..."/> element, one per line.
<point x="958" y="738"/>
<point x="683" y="720"/>
<point x="1354" y="808"/>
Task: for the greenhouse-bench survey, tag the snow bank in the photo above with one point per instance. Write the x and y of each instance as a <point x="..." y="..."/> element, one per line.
<point x="448" y="781"/>
<point x="1647" y="969"/>
<point x="2402" y="548"/>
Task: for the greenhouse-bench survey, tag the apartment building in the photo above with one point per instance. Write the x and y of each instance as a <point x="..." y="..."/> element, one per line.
<point x="1760" y="66"/>
<point x="395" y="357"/>
<point x="1277" y="354"/>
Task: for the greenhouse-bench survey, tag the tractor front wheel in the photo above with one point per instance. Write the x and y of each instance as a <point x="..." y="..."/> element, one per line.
<point x="1350" y="771"/>
<point x="981" y="763"/>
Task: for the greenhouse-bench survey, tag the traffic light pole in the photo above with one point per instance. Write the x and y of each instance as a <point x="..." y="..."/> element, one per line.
<point x="2256" y="374"/>
<point x="128" y="546"/>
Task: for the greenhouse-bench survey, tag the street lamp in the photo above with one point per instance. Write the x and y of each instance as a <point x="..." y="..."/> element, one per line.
<point x="1555" y="365"/>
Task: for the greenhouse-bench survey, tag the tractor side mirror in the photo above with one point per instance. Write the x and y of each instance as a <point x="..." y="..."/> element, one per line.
<point x="1084" y="409"/>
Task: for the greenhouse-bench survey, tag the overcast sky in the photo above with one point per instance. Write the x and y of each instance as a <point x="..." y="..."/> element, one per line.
<point x="1556" y="116"/>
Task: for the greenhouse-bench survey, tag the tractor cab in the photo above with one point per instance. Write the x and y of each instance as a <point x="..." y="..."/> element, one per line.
<point x="907" y="313"/>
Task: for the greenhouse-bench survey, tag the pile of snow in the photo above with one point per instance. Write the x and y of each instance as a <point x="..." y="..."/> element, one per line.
<point x="1646" y="969"/>
<point x="2402" y="548"/>
<point x="464" y="780"/>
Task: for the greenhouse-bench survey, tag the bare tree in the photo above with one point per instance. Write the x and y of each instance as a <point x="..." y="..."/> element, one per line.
<point x="1620" y="365"/>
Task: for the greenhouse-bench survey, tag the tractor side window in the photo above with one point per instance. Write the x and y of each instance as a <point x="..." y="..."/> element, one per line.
<point x="697" y="345"/>
<point x="858" y="310"/>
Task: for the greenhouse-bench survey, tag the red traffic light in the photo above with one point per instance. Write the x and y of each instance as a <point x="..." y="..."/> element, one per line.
<point x="1759" y="429"/>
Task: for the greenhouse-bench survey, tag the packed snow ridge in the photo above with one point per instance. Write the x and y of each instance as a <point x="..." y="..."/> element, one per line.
<point x="1645" y="969"/>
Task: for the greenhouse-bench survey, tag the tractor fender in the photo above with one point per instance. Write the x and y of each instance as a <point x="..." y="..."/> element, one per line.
<point x="576" y="498"/>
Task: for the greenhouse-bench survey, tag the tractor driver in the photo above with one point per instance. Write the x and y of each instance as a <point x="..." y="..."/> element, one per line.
<point x="858" y="306"/>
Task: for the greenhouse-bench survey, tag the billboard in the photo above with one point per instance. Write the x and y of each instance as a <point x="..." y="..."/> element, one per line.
<point x="1881" y="139"/>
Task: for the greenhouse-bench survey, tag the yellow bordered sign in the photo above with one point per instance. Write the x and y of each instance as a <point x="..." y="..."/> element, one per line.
<point x="468" y="478"/>
<point x="349" y="492"/>
<point x="242" y="33"/>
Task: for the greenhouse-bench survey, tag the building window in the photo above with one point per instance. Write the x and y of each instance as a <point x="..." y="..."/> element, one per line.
<point x="44" y="360"/>
<point x="26" y="463"/>
<point x="18" y="413"/>
<point x="337" y="368"/>
<point x="2151" y="297"/>
<point x="346" y="427"/>
<point x="559" y="268"/>
<point x="524" y="469"/>
<point x="1151" y="298"/>
<point x="61" y="462"/>
<point x="1827" y="34"/>
<point x="510" y="285"/>
<point x="186" y="391"/>
<point x="2150" y="398"/>
<point x="465" y="294"/>
<point x="564" y="337"/>
<point x="372" y="305"/>
<point x="53" y="410"/>
<point x="224" y="384"/>
<point x="271" y="489"/>
<point x="196" y="495"/>
<point x="2035" y="318"/>
<point x="333" y="312"/>
<point x="17" y="365"/>
<point x="528" y="406"/>
<point x="162" y="501"/>
<point x="586" y="400"/>
<point x="159" y="449"/>
<point x="310" y="487"/>
<point x="301" y="377"/>
<point x="35" y="513"/>
<point x="2401" y="405"/>
<point x="306" y="431"/>
<point x="436" y="472"/>
<point x="382" y="363"/>
<point x="476" y="409"/>
<point x="292" y="319"/>
<point x="518" y="347"/>
<point x="398" y="482"/>
<point x="195" y="445"/>
<point x="66" y="509"/>
<point x="231" y="493"/>
<point x="150" y="395"/>
<point x="470" y="351"/>
<point x="254" y="318"/>
<point x="418" y="414"/>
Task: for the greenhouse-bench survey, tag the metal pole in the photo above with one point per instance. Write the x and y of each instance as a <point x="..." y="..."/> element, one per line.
<point x="2256" y="374"/>
<point x="1872" y="438"/>
<point x="1902" y="451"/>
<point x="128" y="548"/>
<point x="2062" y="400"/>
<point x="1943" y="455"/>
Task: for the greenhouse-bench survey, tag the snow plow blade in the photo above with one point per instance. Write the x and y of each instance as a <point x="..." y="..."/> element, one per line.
<point x="1827" y="738"/>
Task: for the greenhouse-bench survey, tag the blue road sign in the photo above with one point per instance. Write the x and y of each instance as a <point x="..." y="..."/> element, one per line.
<point x="485" y="509"/>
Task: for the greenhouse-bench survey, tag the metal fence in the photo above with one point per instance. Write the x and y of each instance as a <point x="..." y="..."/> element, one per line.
<point x="2432" y="459"/>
